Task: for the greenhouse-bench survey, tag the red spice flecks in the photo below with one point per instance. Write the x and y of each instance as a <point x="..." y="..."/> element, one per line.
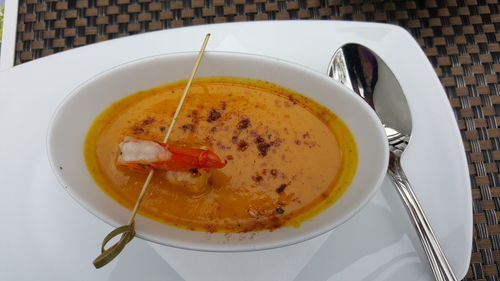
<point x="195" y="172"/>
<point x="209" y="139"/>
<point x="148" y="121"/>
<point x="243" y="124"/>
<point x="138" y="130"/>
<point x="310" y="144"/>
<point x="188" y="127"/>
<point x="222" y="146"/>
<point x="213" y="115"/>
<point x="263" y="148"/>
<point x="234" y="139"/>
<point x="242" y="145"/>
<point x="229" y="157"/>
<point x="292" y="99"/>
<point x="281" y="188"/>
<point x="259" y="140"/>
<point x="258" y="178"/>
<point x="276" y="142"/>
<point x="223" y="105"/>
<point x="274" y="172"/>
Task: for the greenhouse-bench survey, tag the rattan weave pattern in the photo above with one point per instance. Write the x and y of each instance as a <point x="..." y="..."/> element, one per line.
<point x="460" y="38"/>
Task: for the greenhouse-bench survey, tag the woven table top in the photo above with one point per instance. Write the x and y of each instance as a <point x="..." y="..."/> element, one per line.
<point x="460" y="38"/>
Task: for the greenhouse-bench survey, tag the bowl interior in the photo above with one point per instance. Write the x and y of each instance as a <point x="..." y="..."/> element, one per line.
<point x="75" y="115"/>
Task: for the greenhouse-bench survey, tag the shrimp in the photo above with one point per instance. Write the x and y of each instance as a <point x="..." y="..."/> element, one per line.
<point x="194" y="182"/>
<point x="143" y="155"/>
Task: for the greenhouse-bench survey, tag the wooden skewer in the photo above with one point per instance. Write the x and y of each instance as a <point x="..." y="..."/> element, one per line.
<point x="128" y="230"/>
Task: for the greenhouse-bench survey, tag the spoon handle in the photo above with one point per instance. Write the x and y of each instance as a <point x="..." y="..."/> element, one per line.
<point x="437" y="260"/>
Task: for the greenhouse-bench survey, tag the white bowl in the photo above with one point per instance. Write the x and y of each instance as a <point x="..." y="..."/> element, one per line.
<point x="75" y="115"/>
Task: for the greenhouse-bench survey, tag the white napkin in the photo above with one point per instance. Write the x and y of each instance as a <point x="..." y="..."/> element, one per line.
<point x="282" y="264"/>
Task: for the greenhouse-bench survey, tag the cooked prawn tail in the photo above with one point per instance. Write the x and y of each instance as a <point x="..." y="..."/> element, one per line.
<point x="209" y="159"/>
<point x="144" y="155"/>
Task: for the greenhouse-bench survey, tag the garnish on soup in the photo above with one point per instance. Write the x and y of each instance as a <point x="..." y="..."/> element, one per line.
<point x="144" y="155"/>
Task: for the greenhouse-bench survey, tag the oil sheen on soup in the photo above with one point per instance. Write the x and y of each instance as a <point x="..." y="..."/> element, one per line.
<point x="288" y="157"/>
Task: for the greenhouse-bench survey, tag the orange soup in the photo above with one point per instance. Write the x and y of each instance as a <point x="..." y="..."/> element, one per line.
<point x="288" y="157"/>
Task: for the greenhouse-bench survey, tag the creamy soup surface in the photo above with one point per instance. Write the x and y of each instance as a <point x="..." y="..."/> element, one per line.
<point x="288" y="158"/>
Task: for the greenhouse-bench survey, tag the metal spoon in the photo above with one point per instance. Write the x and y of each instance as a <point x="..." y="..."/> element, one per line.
<point x="358" y="68"/>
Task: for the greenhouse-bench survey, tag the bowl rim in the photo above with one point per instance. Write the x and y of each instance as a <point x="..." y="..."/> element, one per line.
<point x="212" y="247"/>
